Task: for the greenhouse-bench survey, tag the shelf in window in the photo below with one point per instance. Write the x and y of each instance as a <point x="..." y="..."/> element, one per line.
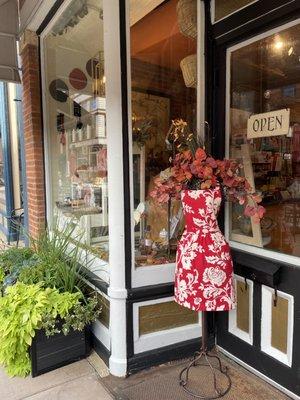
<point x="88" y="142"/>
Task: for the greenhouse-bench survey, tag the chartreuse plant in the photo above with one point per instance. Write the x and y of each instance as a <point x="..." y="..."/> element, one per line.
<point x="22" y="310"/>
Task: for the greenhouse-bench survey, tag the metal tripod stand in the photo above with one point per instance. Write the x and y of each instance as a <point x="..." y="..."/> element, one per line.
<point x="204" y="355"/>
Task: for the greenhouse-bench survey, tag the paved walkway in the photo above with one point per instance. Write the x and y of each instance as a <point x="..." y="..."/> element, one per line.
<point x="84" y="381"/>
<point x="78" y="381"/>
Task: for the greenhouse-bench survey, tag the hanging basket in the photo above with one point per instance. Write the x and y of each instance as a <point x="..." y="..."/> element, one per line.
<point x="188" y="67"/>
<point x="187" y="17"/>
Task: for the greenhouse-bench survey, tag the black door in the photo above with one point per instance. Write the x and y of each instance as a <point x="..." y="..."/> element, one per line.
<point x="257" y="71"/>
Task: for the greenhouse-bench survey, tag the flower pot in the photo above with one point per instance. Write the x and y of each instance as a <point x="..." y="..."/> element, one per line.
<point x="49" y="353"/>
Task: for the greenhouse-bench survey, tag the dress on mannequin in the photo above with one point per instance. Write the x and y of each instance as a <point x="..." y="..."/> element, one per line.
<point x="204" y="269"/>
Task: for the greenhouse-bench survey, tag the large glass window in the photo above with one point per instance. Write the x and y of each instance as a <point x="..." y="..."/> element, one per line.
<point x="265" y="79"/>
<point x="164" y="80"/>
<point x="76" y="117"/>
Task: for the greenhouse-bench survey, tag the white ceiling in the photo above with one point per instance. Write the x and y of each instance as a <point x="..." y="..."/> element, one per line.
<point x="140" y="8"/>
<point x="79" y="36"/>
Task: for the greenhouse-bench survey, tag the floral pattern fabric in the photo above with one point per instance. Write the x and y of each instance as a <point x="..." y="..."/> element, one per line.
<point x="204" y="271"/>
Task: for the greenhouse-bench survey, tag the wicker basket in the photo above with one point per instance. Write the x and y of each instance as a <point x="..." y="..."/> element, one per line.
<point x="188" y="67"/>
<point x="187" y="17"/>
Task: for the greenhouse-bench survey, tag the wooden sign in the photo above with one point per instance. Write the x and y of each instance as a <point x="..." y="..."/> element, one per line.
<point x="273" y="123"/>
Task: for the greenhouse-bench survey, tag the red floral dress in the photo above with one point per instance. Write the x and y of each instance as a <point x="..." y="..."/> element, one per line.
<point x="204" y="271"/>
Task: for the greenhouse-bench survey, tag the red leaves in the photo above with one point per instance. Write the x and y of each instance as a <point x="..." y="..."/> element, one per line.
<point x="256" y="212"/>
<point x="210" y="173"/>
<point x="200" y="155"/>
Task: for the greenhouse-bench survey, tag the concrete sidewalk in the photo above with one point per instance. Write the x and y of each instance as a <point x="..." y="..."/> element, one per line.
<point x="77" y="381"/>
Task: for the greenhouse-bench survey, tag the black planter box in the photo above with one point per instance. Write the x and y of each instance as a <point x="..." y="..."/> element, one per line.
<point x="49" y="353"/>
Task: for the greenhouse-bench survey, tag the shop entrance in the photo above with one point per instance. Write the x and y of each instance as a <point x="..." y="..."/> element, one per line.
<point x="259" y="79"/>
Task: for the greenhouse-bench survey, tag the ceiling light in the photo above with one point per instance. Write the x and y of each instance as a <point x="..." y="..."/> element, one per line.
<point x="278" y="44"/>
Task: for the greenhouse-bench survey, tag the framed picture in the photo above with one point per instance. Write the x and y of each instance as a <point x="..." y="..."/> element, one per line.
<point x="154" y="109"/>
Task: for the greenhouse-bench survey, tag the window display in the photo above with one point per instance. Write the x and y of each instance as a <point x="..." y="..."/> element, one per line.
<point x="76" y="112"/>
<point x="164" y="88"/>
<point x="264" y="131"/>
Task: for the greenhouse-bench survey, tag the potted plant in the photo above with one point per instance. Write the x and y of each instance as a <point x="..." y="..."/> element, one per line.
<point x="45" y="311"/>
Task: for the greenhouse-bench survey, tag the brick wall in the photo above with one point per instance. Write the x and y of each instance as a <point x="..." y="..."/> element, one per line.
<point x="33" y="133"/>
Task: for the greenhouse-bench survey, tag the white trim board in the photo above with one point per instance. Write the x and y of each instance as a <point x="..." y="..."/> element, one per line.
<point x="155" y="340"/>
<point x="266" y="326"/>
<point x="101" y="333"/>
<point x="232" y="315"/>
<point x="259" y="374"/>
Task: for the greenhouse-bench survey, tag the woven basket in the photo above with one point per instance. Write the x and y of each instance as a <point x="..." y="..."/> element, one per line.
<point x="187" y="17"/>
<point x="188" y="67"/>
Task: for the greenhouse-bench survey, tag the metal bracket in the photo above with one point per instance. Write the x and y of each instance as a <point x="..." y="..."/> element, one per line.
<point x="276" y="297"/>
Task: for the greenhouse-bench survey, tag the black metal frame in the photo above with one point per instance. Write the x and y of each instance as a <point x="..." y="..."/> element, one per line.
<point x="197" y="361"/>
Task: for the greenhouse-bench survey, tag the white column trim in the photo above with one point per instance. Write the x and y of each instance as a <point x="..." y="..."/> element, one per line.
<point x="117" y="290"/>
<point x="232" y="317"/>
<point x="266" y="326"/>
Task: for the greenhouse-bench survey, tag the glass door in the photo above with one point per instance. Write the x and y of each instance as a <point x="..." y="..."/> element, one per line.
<point x="263" y="131"/>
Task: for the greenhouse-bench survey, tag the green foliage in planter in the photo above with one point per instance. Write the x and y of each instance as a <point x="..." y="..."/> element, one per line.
<point x="82" y="314"/>
<point x="22" y="310"/>
<point x="13" y="257"/>
<point x="57" y="261"/>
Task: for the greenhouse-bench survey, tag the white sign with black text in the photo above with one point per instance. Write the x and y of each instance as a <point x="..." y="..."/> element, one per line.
<point x="273" y="123"/>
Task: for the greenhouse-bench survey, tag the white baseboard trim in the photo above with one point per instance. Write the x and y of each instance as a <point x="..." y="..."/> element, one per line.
<point x="259" y="374"/>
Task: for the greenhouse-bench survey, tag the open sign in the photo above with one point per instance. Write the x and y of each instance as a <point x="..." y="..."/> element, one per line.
<point x="273" y="123"/>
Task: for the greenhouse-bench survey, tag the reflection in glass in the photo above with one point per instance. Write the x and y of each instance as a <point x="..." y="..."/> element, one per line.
<point x="76" y="115"/>
<point x="164" y="80"/>
<point x="265" y="76"/>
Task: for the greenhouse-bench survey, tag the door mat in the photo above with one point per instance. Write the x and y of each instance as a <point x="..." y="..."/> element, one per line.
<point x="162" y="383"/>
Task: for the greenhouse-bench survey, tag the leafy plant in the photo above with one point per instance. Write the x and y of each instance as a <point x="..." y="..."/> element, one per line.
<point x="82" y="314"/>
<point x="14" y="256"/>
<point x="22" y="311"/>
<point x="58" y="260"/>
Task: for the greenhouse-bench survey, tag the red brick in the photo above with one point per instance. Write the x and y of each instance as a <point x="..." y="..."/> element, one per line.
<point x="33" y="139"/>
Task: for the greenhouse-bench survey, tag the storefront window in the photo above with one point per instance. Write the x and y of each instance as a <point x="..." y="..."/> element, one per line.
<point x="264" y="132"/>
<point x="164" y="88"/>
<point x="76" y="117"/>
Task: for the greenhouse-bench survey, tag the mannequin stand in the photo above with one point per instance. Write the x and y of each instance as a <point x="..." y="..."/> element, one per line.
<point x="204" y="356"/>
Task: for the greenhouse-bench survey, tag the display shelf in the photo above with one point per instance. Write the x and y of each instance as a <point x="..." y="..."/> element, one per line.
<point x="88" y="142"/>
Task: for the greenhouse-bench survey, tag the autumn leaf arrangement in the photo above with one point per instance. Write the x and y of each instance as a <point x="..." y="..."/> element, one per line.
<point x="191" y="168"/>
